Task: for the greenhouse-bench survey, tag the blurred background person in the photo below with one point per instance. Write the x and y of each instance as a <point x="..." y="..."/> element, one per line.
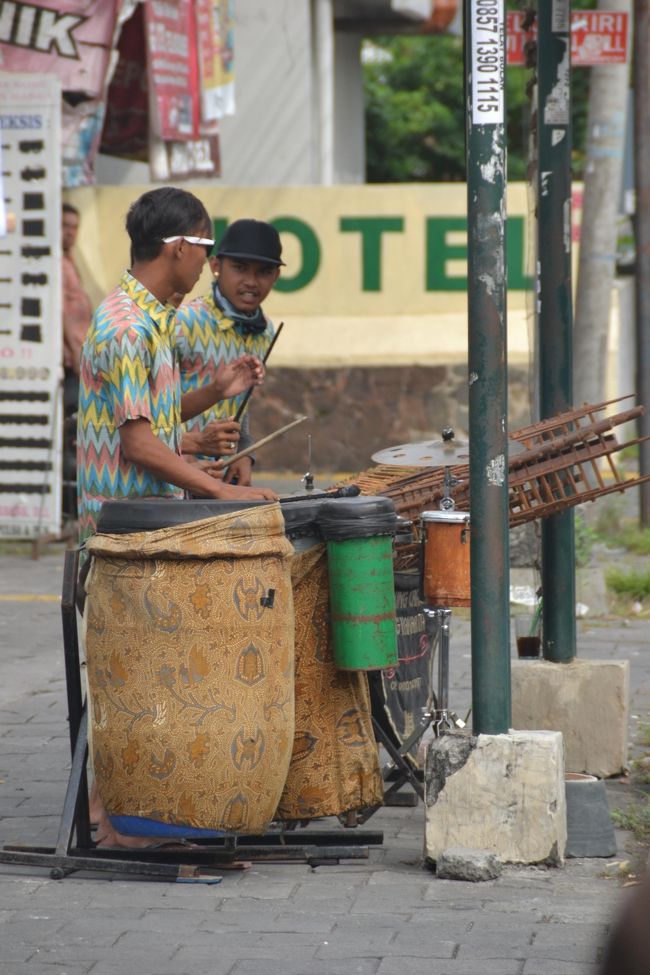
<point x="77" y="313"/>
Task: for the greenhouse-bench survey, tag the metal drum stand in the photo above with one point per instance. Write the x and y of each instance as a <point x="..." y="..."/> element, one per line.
<point x="436" y="589"/>
<point x="435" y="714"/>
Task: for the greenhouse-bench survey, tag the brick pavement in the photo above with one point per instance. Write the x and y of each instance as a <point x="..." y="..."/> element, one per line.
<point x="385" y="916"/>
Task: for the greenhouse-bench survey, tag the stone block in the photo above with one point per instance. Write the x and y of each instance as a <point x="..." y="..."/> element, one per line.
<point x="586" y="700"/>
<point x="502" y="793"/>
<point x="459" y="863"/>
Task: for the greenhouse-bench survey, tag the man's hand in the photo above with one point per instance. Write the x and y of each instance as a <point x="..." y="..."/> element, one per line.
<point x="232" y="492"/>
<point x="219" y="438"/>
<point x="212" y="467"/>
<point x="237" y="376"/>
<point x="232" y="378"/>
<point x="241" y="472"/>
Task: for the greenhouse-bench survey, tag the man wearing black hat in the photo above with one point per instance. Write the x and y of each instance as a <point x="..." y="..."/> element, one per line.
<point x="222" y="325"/>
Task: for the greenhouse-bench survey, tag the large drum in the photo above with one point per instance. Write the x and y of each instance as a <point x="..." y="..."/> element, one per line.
<point x="445" y="558"/>
<point x="190" y="660"/>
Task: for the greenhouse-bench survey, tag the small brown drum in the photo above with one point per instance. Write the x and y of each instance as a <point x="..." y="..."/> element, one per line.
<point x="445" y="558"/>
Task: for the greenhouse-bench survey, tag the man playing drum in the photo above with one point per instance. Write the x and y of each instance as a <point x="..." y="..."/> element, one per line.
<point x="222" y="325"/>
<point x="130" y="403"/>
<point x="130" y="406"/>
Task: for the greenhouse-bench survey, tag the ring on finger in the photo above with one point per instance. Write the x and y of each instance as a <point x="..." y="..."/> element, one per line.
<point x="232" y="444"/>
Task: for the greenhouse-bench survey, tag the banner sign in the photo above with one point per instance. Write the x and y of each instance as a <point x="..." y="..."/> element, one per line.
<point x="487" y="33"/>
<point x="368" y="268"/>
<point x="68" y="39"/>
<point x="126" y="124"/>
<point x="30" y="307"/>
<point x="597" y="37"/>
<point x="215" y="31"/>
<point x="172" y="68"/>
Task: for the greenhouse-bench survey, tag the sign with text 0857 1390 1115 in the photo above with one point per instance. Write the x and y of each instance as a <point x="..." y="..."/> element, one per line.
<point x="30" y="306"/>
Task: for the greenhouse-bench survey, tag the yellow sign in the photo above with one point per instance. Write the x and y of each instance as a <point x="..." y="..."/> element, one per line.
<point x="375" y="274"/>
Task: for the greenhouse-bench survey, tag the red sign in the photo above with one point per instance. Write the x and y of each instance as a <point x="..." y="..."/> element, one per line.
<point x="597" y="37"/>
<point x="172" y="67"/>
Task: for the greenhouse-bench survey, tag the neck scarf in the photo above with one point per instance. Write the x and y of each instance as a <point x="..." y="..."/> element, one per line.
<point x="254" y="323"/>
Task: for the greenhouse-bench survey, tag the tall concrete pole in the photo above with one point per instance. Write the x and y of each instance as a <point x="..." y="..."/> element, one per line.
<point x="608" y="94"/>
<point x="488" y="380"/>
<point x="555" y="306"/>
<point x="642" y="232"/>
<point x="324" y="44"/>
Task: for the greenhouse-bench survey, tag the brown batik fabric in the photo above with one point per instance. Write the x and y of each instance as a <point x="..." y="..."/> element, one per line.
<point x="335" y="763"/>
<point x="191" y="671"/>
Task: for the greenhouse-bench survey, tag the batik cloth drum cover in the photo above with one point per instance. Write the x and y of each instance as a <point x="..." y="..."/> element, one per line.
<point x="190" y="670"/>
<point x="335" y="764"/>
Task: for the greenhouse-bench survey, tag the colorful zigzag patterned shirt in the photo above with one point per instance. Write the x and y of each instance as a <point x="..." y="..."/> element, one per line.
<point x="129" y="371"/>
<point x="206" y="337"/>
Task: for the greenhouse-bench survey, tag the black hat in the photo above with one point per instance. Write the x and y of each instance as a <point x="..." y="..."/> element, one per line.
<point x="252" y="239"/>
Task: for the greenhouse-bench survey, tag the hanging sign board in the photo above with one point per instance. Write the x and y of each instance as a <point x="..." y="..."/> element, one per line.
<point x="487" y="29"/>
<point x="71" y="39"/>
<point x="172" y="68"/>
<point x="597" y="37"/>
<point x="30" y="306"/>
<point x="215" y="34"/>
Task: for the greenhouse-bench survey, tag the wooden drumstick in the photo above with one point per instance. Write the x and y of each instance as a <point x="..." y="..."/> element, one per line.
<point x="263" y="441"/>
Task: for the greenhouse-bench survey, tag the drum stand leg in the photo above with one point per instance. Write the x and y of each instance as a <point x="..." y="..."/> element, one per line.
<point x="442" y="718"/>
<point x="437" y="715"/>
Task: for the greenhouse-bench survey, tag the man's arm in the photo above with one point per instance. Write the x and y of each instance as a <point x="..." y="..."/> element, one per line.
<point x="141" y="446"/>
<point x="232" y="379"/>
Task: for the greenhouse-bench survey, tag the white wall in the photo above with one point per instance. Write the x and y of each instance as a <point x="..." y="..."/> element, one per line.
<point x="349" y="114"/>
<point x="270" y="140"/>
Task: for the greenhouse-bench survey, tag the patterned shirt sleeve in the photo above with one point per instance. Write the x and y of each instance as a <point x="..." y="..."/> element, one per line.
<point x="126" y="366"/>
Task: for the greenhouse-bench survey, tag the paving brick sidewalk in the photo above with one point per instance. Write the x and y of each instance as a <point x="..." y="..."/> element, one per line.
<point x="386" y="916"/>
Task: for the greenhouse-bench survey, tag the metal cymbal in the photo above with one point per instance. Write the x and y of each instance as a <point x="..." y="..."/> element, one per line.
<point x="433" y="453"/>
<point x="428" y="453"/>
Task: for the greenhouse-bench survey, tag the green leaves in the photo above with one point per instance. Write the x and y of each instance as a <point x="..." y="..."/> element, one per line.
<point x="415" y="111"/>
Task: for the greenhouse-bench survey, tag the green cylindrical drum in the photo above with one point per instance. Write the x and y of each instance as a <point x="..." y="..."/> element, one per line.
<point x="359" y="535"/>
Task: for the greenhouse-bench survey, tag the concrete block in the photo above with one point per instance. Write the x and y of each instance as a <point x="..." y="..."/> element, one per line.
<point x="586" y="700"/>
<point x="460" y="863"/>
<point x="503" y="793"/>
<point x="590" y="831"/>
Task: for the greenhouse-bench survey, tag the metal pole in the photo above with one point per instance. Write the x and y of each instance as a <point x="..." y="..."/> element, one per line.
<point x="488" y="386"/>
<point x="642" y="234"/>
<point x="555" y="308"/>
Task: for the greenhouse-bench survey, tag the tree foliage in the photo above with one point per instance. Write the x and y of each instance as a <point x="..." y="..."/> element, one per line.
<point x="415" y="111"/>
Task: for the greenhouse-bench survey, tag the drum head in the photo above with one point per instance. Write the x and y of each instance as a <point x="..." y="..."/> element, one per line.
<point x="449" y="517"/>
<point x="151" y="514"/>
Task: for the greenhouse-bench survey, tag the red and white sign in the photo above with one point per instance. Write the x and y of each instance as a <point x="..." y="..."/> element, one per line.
<point x="597" y="37"/>
<point x="173" y="69"/>
<point x="71" y="39"/>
